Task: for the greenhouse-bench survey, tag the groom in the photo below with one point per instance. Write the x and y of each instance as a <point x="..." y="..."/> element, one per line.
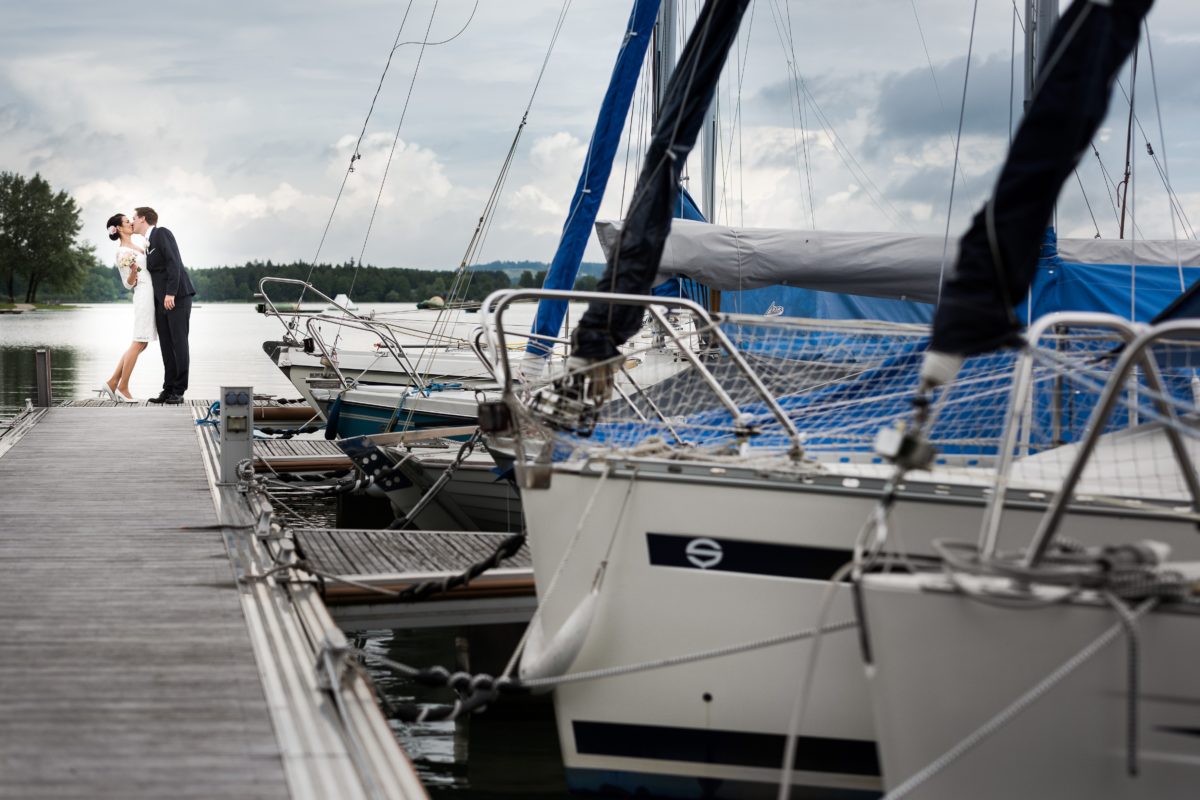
<point x="172" y="302"/>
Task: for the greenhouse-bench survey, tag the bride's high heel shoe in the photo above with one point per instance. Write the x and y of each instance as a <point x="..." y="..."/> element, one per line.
<point x="124" y="398"/>
<point x="106" y="392"/>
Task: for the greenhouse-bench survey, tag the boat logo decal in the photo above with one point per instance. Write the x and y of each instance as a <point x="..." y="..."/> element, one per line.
<point x="704" y="553"/>
<point x="774" y="310"/>
<point x="720" y="555"/>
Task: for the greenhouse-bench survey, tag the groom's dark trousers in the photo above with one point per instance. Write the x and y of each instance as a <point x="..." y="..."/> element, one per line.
<point x="173" y="341"/>
<point x="169" y="277"/>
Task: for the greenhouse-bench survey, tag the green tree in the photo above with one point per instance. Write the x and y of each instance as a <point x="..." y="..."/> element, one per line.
<point x="526" y="280"/>
<point x="101" y="285"/>
<point x="38" y="228"/>
<point x="14" y="234"/>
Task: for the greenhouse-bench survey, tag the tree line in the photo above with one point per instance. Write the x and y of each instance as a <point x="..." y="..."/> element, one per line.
<point x="369" y="284"/>
<point x="41" y="257"/>
<point x="38" y="247"/>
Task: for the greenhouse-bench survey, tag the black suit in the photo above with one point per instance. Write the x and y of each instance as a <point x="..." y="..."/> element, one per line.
<point x="168" y="276"/>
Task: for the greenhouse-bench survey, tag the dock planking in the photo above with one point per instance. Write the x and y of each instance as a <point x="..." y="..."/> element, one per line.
<point x="126" y="669"/>
<point x="134" y="664"/>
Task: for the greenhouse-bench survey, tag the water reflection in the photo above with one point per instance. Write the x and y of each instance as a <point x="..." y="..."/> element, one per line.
<point x="509" y="751"/>
<point x="86" y="342"/>
<point x="18" y="380"/>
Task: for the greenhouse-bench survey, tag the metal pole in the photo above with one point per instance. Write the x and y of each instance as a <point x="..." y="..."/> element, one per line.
<point x="708" y="154"/>
<point x="1040" y="17"/>
<point x="1030" y="49"/>
<point x="1047" y="15"/>
<point x="41" y="370"/>
<point x="664" y="50"/>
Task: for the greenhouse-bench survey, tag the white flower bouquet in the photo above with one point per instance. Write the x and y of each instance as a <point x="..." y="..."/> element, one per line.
<point x="127" y="263"/>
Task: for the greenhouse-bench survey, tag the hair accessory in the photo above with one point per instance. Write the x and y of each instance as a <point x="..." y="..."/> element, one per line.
<point x="112" y="229"/>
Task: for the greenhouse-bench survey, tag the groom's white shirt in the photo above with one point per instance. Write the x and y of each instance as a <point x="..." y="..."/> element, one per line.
<point x="149" y="231"/>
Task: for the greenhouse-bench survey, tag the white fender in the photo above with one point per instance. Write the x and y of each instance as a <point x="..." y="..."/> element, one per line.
<point x="544" y="659"/>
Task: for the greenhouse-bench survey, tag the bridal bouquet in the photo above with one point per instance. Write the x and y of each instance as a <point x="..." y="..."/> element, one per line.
<point x="127" y="262"/>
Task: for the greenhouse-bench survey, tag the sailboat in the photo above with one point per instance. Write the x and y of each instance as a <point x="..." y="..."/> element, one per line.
<point x="720" y="537"/>
<point x="1046" y="668"/>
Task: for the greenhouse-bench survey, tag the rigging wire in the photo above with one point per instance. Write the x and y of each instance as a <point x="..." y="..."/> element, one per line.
<point x="357" y="154"/>
<point x="1177" y="204"/>
<point x="1087" y="202"/>
<point x="937" y="89"/>
<point x="852" y="164"/>
<point x="462" y="277"/>
<point x="735" y="124"/>
<point x="354" y="156"/>
<point x="1110" y="185"/>
<point x="962" y="111"/>
<point x="804" y="139"/>
<point x="1012" y="71"/>
<point x="631" y="130"/>
<point x="395" y="141"/>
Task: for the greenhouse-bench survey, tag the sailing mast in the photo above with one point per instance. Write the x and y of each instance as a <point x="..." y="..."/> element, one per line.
<point x="1039" y="22"/>
<point x="664" y="54"/>
<point x="665" y="57"/>
<point x="686" y="104"/>
<point x="708" y="197"/>
<point x="597" y="166"/>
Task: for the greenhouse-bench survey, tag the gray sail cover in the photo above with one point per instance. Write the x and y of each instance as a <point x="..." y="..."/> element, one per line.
<point x="892" y="265"/>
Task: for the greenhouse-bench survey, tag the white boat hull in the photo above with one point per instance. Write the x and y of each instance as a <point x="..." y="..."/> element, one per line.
<point x="943" y="665"/>
<point x="443" y="366"/>
<point x="716" y="728"/>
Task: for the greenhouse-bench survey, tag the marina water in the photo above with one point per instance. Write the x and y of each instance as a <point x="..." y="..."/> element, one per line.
<point x="509" y="751"/>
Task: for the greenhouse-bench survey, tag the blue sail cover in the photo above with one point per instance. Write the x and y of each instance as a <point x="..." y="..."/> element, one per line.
<point x="1113" y="288"/>
<point x="597" y="166"/>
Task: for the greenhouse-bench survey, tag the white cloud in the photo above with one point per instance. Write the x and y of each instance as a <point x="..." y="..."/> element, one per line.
<point x="241" y="136"/>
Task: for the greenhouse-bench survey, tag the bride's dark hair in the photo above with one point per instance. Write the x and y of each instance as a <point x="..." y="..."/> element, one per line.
<point x="114" y="222"/>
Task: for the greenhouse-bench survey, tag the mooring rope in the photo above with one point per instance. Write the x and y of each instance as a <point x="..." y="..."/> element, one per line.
<point x="481" y="689"/>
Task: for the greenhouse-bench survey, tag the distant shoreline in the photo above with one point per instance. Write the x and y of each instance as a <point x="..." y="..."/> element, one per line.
<point x="17" y="308"/>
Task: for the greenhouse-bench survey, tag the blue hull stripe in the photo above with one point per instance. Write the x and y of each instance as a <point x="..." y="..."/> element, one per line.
<point x="735" y="748"/>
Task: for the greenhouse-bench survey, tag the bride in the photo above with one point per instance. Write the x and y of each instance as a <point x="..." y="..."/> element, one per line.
<point x="131" y="263"/>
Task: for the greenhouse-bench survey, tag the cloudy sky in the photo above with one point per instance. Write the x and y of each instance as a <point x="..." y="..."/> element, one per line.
<point x="236" y="121"/>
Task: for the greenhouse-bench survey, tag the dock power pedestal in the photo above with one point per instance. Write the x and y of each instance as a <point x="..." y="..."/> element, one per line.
<point x="237" y="429"/>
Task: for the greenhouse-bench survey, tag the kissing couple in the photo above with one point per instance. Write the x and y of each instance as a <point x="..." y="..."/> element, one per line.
<point x="149" y="263"/>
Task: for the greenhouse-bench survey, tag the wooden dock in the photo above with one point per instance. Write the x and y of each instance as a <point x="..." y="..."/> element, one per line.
<point x="396" y="560"/>
<point x="147" y="652"/>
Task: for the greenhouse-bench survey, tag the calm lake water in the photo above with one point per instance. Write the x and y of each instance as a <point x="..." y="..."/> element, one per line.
<point x="511" y="750"/>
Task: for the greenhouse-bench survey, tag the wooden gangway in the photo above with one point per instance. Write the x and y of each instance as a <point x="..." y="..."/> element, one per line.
<point x="148" y="650"/>
<point x="365" y="567"/>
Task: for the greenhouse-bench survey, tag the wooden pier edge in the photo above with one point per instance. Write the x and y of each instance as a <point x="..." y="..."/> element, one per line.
<point x="329" y="749"/>
<point x="12" y="430"/>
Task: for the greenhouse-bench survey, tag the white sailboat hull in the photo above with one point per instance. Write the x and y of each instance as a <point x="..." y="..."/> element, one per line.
<point x="458" y="366"/>
<point x="716" y="728"/>
<point x="945" y="664"/>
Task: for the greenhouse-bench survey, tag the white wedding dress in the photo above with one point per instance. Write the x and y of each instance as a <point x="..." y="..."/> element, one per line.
<point x="143" y="294"/>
